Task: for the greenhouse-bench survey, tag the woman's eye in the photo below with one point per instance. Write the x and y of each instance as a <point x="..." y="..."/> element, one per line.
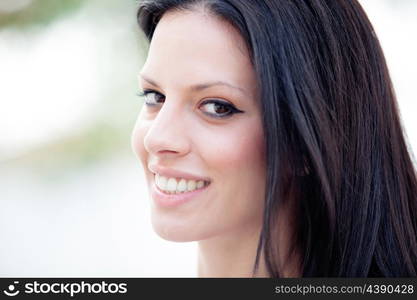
<point x="219" y="109"/>
<point x="152" y="97"/>
<point x="214" y="108"/>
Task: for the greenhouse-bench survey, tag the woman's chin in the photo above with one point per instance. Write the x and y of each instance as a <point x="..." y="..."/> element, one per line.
<point x="173" y="233"/>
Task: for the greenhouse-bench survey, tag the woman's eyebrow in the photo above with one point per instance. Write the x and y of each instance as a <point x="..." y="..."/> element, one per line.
<point x="200" y="86"/>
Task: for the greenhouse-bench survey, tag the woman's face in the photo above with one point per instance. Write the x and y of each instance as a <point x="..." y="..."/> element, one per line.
<point x="199" y="134"/>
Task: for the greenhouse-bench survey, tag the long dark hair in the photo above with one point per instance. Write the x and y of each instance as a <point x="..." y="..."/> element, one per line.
<point x="335" y="143"/>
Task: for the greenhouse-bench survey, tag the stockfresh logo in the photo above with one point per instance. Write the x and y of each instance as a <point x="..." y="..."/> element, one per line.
<point x="67" y="288"/>
<point x="12" y="290"/>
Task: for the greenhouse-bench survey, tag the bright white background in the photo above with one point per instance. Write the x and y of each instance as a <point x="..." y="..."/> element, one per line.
<point x="72" y="194"/>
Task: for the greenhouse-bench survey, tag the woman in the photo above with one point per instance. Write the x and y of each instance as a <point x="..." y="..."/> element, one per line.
<point x="270" y="134"/>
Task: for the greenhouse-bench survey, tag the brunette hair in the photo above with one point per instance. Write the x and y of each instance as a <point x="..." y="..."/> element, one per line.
<point x="334" y="139"/>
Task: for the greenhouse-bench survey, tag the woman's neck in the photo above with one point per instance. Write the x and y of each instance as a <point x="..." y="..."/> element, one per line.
<point x="233" y="254"/>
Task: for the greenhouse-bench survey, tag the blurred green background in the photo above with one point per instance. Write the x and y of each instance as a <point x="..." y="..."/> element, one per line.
<point x="72" y="194"/>
<point x="68" y="89"/>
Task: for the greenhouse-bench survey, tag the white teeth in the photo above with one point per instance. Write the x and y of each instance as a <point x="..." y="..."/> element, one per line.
<point x="180" y="185"/>
<point x="161" y="182"/>
<point x="191" y="185"/>
<point x="171" y="185"/>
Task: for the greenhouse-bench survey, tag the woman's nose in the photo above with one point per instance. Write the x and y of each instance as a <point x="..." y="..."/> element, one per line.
<point x="167" y="132"/>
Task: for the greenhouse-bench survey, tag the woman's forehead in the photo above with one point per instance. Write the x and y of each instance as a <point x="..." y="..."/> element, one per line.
<point x="196" y="44"/>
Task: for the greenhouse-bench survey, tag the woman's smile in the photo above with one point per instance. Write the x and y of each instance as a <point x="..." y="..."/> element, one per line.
<point x="172" y="187"/>
<point x="173" y="193"/>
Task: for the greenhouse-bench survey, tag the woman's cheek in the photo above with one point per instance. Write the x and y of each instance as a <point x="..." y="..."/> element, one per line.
<point x="237" y="148"/>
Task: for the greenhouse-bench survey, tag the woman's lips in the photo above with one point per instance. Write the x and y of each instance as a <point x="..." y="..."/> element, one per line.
<point x="174" y="199"/>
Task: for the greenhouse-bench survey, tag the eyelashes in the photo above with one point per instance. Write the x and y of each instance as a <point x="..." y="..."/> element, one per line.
<point x="219" y="108"/>
<point x="215" y="108"/>
<point x="152" y="98"/>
